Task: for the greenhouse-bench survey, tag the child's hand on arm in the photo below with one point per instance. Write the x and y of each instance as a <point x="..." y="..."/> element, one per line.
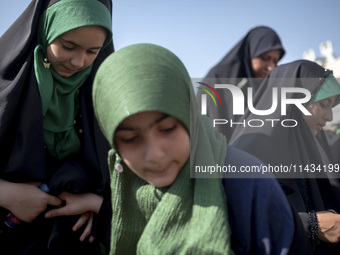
<point x="79" y="204"/>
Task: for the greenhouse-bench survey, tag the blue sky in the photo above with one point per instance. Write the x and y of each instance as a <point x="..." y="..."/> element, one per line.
<point x="201" y="32"/>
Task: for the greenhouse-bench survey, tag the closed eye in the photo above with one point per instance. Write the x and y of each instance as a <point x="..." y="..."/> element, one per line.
<point x="129" y="140"/>
<point x="169" y="130"/>
<point x="67" y="48"/>
<point x="325" y="103"/>
<point x="265" y="58"/>
<point x="93" y="52"/>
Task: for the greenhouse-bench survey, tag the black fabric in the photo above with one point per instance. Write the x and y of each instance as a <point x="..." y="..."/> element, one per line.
<point x="236" y="66"/>
<point x="102" y="223"/>
<point x="334" y="143"/>
<point x="292" y="146"/>
<point x="23" y="156"/>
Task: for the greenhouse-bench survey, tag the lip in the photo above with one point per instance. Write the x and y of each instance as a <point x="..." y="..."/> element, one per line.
<point x="320" y="126"/>
<point x="159" y="170"/>
<point x="264" y="75"/>
<point x="68" y="70"/>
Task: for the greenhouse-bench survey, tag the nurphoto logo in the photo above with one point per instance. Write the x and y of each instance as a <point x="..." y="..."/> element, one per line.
<point x="238" y="105"/>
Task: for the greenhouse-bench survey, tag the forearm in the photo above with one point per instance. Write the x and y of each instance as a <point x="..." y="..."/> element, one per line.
<point x="5" y="191"/>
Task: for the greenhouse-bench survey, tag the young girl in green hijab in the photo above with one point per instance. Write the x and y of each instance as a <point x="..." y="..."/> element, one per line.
<point x="146" y="108"/>
<point x="48" y="133"/>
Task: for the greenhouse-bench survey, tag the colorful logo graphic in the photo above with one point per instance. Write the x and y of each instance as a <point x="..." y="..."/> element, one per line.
<point x="209" y="93"/>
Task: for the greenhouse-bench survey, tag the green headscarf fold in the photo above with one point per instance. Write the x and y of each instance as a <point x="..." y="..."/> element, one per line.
<point x="58" y="94"/>
<point x="190" y="216"/>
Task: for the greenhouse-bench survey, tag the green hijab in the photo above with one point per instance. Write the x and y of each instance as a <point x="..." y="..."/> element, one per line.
<point x="190" y="216"/>
<point x="330" y="87"/>
<point x="59" y="94"/>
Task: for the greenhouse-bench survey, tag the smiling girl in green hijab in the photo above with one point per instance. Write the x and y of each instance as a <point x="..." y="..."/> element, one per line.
<point x="59" y="86"/>
<point x="48" y="132"/>
<point x="146" y="108"/>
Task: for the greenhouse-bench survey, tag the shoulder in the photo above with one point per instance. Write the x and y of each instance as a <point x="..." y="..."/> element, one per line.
<point x="239" y="157"/>
<point x="244" y="165"/>
<point x="248" y="174"/>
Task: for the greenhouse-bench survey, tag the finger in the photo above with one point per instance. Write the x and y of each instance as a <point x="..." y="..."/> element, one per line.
<point x="80" y="222"/>
<point x="52" y="200"/>
<point x="63" y="195"/>
<point x="87" y="230"/>
<point x="91" y="239"/>
<point x="63" y="211"/>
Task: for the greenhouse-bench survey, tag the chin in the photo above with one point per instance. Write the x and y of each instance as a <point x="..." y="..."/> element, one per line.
<point x="62" y="74"/>
<point x="162" y="183"/>
<point x="66" y="75"/>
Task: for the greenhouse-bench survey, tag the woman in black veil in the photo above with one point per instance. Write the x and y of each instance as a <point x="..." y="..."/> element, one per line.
<point x="294" y="146"/>
<point x="48" y="132"/>
<point x="245" y="65"/>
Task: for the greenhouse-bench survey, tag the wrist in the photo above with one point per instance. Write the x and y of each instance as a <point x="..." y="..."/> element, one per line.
<point x="96" y="203"/>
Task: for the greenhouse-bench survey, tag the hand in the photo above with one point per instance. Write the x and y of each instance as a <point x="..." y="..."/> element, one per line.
<point x="25" y="200"/>
<point x="79" y="204"/>
<point x="76" y="204"/>
<point x="329" y="227"/>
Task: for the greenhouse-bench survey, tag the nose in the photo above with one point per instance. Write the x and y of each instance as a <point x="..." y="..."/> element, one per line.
<point x="271" y="66"/>
<point x="78" y="60"/>
<point x="329" y="115"/>
<point x="153" y="150"/>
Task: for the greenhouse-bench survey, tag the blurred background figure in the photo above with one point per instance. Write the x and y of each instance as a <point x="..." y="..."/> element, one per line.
<point x="251" y="60"/>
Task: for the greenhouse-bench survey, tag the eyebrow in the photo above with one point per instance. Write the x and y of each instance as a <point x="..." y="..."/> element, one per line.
<point x="126" y="128"/>
<point x="77" y="45"/>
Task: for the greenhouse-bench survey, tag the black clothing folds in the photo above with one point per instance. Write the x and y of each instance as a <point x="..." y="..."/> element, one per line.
<point x="23" y="156"/>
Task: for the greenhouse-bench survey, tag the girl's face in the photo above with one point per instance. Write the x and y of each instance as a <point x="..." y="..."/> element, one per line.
<point x="265" y="63"/>
<point x="75" y="50"/>
<point x="154" y="146"/>
<point x="321" y="113"/>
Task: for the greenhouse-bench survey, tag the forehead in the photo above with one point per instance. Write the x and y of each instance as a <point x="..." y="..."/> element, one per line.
<point x="272" y="53"/>
<point x="88" y="35"/>
<point x="142" y="119"/>
<point x="328" y="100"/>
